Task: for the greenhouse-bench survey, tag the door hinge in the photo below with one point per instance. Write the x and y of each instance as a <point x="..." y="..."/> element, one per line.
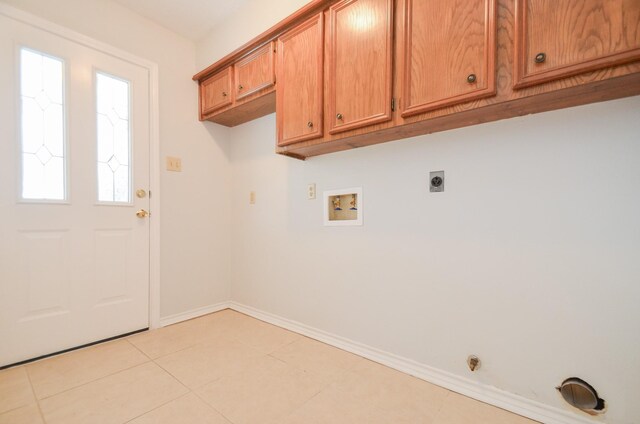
<point x="393" y="105"/>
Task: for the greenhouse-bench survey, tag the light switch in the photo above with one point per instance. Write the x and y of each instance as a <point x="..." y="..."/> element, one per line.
<point x="252" y="197"/>
<point x="174" y="164"/>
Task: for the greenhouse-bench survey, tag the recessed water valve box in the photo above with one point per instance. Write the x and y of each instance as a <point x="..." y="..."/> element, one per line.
<point x="436" y="181"/>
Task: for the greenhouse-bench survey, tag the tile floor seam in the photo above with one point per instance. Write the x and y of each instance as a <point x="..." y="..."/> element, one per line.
<point x="33" y="391"/>
<point x="181" y="350"/>
<point x="21" y="406"/>
<point x="286" y="344"/>
<point x="281" y="360"/>
<point x="138" y="349"/>
<point x="157" y="407"/>
<point x="211" y="406"/>
<point x="183" y="384"/>
<point x="92" y="381"/>
<point x="306" y="402"/>
<point x="324" y="387"/>
<point x="245" y="344"/>
<point x="172" y="376"/>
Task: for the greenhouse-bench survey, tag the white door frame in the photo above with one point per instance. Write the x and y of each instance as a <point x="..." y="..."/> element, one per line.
<point x="154" y="137"/>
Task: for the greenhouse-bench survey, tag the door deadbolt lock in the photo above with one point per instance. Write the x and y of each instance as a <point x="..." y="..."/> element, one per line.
<point x="141" y="194"/>
<point x="436" y="181"/>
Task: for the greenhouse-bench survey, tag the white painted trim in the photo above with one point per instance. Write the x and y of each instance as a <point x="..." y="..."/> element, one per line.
<point x="154" y="136"/>
<point x="154" y="198"/>
<point x="194" y="313"/>
<point x="492" y="395"/>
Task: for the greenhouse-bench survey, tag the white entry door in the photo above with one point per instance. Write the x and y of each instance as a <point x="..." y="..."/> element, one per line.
<point x="74" y="180"/>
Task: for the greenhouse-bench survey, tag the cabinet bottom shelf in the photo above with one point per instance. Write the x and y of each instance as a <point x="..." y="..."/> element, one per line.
<point x="615" y="88"/>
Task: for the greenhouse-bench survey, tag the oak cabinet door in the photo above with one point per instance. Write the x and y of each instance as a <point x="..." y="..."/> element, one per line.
<point x="448" y="53"/>
<point x="299" y="91"/>
<point x="360" y="48"/>
<point x="560" y="38"/>
<point x="255" y="72"/>
<point x="215" y="92"/>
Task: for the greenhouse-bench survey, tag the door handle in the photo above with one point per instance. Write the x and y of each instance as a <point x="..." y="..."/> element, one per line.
<point x="142" y="213"/>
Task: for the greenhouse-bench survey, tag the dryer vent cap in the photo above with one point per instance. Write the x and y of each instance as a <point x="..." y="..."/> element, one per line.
<point x="580" y="394"/>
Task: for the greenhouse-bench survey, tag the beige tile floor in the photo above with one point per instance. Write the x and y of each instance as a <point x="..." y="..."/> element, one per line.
<point x="227" y="368"/>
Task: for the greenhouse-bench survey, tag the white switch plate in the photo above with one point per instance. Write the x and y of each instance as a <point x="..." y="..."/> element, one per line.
<point x="311" y="191"/>
<point x="174" y="164"/>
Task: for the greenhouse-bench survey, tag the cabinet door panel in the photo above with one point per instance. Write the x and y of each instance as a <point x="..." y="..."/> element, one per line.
<point x="449" y="53"/>
<point x="560" y="38"/>
<point x="359" y="80"/>
<point x="255" y="72"/>
<point x="300" y="85"/>
<point x="215" y="92"/>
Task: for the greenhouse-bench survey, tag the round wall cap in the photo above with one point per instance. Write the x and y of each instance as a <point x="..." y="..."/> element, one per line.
<point x="580" y="394"/>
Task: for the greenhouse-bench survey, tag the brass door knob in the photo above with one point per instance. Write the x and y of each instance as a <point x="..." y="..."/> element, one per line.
<point x="472" y="78"/>
<point x="540" y="58"/>
<point x="310" y="124"/>
<point x="339" y="116"/>
<point x="142" y="213"/>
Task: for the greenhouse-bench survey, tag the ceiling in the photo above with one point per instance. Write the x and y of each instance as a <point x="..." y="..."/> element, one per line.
<point x="192" y="19"/>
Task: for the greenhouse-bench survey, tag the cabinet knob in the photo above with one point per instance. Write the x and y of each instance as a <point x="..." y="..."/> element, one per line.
<point x="310" y="124"/>
<point x="224" y="94"/>
<point x="240" y="87"/>
<point x="339" y="116"/>
<point x="540" y="58"/>
<point x="472" y="78"/>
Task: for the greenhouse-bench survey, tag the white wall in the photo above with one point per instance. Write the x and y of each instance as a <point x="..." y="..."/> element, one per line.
<point x="250" y="21"/>
<point x="529" y="259"/>
<point x="195" y="213"/>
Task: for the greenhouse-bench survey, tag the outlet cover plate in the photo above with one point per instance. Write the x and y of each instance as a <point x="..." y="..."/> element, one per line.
<point x="174" y="164"/>
<point x="311" y="191"/>
<point x="436" y="181"/>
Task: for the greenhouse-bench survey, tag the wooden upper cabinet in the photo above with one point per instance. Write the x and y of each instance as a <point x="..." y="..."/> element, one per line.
<point x="560" y="38"/>
<point x="299" y="99"/>
<point x="448" y="53"/>
<point x="359" y="63"/>
<point x="255" y="72"/>
<point x="215" y="92"/>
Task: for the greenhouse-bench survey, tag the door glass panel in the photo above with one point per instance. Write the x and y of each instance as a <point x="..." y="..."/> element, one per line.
<point x="114" y="141"/>
<point x="42" y="126"/>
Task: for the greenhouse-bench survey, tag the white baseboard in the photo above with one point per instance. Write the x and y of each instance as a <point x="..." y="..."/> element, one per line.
<point x="511" y="402"/>
<point x="194" y="313"/>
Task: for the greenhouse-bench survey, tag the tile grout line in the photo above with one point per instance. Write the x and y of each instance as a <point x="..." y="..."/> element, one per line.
<point x="94" y="380"/>
<point x="176" y="351"/>
<point x="138" y="349"/>
<point x="158" y="407"/>
<point x="211" y="406"/>
<point x="33" y="391"/>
